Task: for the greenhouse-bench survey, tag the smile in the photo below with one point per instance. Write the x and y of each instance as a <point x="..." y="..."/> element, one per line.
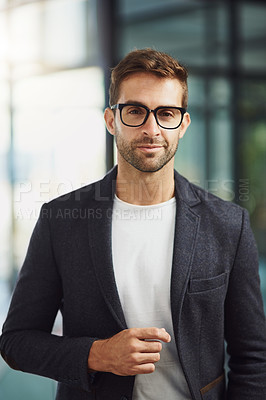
<point x="150" y="149"/>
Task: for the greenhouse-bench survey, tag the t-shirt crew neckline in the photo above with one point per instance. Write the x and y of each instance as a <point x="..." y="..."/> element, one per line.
<point x="138" y="206"/>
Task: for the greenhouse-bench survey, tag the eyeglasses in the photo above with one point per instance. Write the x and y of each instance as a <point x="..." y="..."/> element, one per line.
<point x="135" y="115"/>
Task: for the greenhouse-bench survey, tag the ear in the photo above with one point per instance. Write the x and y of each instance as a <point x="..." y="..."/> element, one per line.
<point x="109" y="117"/>
<point x="185" y="124"/>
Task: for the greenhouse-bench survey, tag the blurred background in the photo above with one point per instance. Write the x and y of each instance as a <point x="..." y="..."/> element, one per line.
<point x="55" y="59"/>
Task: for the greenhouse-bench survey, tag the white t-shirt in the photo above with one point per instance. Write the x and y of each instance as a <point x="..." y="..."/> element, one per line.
<point x="142" y="246"/>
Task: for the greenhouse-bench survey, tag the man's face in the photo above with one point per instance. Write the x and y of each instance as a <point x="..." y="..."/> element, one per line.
<point x="148" y="148"/>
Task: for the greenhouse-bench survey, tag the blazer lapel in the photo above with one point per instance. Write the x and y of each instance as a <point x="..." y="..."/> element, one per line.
<point x="100" y="230"/>
<point x="186" y="228"/>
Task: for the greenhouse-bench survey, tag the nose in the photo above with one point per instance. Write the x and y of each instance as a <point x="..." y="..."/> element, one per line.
<point x="151" y="128"/>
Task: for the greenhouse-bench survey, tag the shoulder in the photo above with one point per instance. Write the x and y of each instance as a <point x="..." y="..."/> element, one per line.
<point x="95" y="193"/>
<point x="211" y="209"/>
<point x="221" y="222"/>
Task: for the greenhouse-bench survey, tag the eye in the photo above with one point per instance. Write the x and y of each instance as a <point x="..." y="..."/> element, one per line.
<point x="135" y="110"/>
<point x="166" y="113"/>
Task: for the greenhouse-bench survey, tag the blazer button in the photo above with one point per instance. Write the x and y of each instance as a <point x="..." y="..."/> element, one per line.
<point x="123" y="398"/>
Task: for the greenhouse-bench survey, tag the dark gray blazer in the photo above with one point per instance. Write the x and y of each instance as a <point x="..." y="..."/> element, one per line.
<point x="215" y="296"/>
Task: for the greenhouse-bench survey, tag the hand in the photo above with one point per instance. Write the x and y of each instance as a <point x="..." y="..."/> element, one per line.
<point x="127" y="352"/>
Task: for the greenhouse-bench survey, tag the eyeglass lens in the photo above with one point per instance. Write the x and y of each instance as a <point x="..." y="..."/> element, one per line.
<point x="167" y="117"/>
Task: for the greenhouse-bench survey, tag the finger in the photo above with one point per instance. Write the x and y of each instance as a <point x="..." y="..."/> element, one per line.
<point x="153" y="333"/>
<point x="150" y="347"/>
<point x="147" y="358"/>
<point x="143" y="369"/>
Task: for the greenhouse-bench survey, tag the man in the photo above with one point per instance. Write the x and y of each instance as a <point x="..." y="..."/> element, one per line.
<point x="151" y="273"/>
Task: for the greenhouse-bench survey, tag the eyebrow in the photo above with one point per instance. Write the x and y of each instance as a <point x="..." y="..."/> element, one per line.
<point x="137" y="103"/>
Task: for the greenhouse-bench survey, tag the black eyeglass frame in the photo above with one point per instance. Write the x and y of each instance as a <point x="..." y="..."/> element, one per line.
<point x="120" y="107"/>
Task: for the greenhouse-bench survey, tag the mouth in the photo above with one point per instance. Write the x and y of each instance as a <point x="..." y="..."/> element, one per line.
<point x="149" y="148"/>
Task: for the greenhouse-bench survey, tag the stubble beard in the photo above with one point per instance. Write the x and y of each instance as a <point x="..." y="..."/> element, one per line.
<point x="145" y="162"/>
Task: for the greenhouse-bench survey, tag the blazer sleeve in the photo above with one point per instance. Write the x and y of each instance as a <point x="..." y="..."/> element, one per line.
<point x="245" y="327"/>
<point x="27" y="343"/>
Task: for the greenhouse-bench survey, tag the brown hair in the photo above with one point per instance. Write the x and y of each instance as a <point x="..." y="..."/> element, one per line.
<point x="150" y="61"/>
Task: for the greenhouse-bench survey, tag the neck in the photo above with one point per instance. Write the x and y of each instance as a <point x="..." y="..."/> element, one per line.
<point x="145" y="188"/>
